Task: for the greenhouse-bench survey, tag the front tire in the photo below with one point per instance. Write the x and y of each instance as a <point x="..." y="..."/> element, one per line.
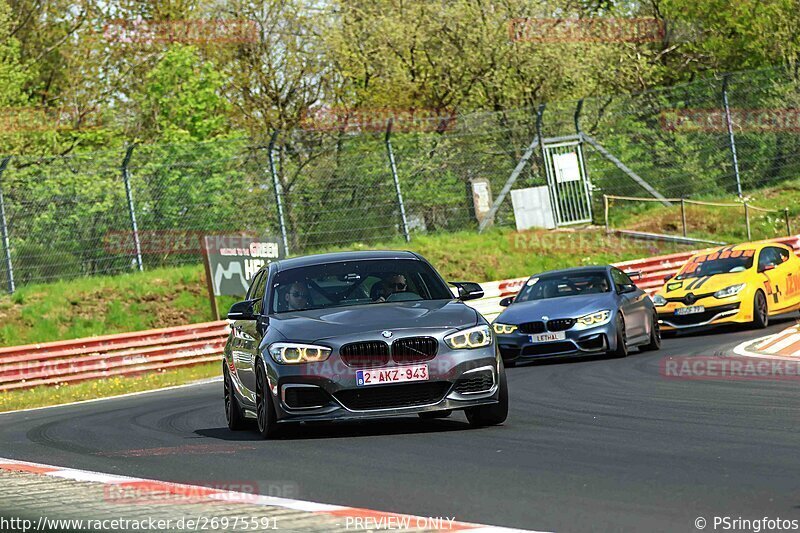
<point x="655" y="336"/>
<point x="495" y="414"/>
<point x="760" y="311"/>
<point x="622" y="338"/>
<point x="266" y="420"/>
<point x="233" y="412"/>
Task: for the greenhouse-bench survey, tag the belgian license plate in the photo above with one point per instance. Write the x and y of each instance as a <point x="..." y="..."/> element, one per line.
<point x="692" y="309"/>
<point x="398" y="374"/>
<point x="549" y="337"/>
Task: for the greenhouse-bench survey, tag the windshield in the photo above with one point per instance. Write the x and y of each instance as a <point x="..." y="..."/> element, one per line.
<point x="356" y="283"/>
<point x="564" y="284"/>
<point x="717" y="263"/>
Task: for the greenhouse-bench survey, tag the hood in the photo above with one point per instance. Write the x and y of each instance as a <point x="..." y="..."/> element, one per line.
<point x="319" y="324"/>
<point x="701" y="285"/>
<point x="564" y="307"/>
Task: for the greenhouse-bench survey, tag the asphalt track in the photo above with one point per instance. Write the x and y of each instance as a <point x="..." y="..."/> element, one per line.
<point x="590" y="445"/>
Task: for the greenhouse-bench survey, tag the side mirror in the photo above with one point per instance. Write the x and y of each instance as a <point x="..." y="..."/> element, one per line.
<point x="624" y="289"/>
<point x="468" y="290"/>
<point x="505" y="302"/>
<point x="634" y="274"/>
<point x="242" y="311"/>
<point x="768" y="266"/>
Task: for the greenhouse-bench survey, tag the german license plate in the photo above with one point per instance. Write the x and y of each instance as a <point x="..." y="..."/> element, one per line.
<point x="398" y="374"/>
<point x="549" y="337"/>
<point x="692" y="309"/>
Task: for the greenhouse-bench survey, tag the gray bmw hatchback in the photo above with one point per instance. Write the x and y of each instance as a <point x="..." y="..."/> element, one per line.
<point x="359" y="335"/>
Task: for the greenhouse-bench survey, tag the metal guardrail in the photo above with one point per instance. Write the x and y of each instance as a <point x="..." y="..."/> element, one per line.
<point x="129" y="354"/>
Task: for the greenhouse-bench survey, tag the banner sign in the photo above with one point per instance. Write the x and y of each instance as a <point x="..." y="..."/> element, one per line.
<point x="233" y="260"/>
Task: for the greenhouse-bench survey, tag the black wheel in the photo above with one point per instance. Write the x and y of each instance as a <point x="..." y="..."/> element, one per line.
<point x="495" y="414"/>
<point x="622" y="338"/>
<point x="267" y="422"/>
<point x="435" y="414"/>
<point x="233" y="413"/>
<point x="655" y="336"/>
<point x="760" y="311"/>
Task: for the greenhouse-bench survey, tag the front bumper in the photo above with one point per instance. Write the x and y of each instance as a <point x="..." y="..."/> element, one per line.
<point x="713" y="315"/>
<point x="327" y="391"/>
<point x="519" y="346"/>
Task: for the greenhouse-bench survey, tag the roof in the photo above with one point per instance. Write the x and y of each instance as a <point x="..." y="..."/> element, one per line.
<point x="577" y="270"/>
<point x="340" y="257"/>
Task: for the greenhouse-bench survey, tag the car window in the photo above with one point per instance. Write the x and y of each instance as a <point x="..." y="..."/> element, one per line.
<point x="252" y="289"/>
<point x="257" y="290"/>
<point x="719" y="262"/>
<point x="781" y="255"/>
<point x="557" y="285"/>
<point x="620" y="278"/>
<point x="768" y="256"/>
<point x="355" y="283"/>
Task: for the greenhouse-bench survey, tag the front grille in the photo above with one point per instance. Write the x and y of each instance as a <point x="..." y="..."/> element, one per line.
<point x="393" y="396"/>
<point x="475" y="382"/>
<point x="305" y="397"/>
<point x="414" y="349"/>
<point x="560" y="324"/>
<point x="697" y="318"/>
<point x="548" y="348"/>
<point x="365" y="354"/>
<point x="531" y="327"/>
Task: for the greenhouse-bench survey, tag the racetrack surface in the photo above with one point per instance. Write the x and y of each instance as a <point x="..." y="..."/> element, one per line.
<point x="589" y="445"/>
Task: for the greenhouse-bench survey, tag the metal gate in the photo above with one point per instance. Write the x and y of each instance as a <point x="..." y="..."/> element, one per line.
<point x="570" y="193"/>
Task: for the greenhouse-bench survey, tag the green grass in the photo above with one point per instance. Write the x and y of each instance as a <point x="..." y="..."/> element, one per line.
<point x="101" y="388"/>
<point x="723" y="224"/>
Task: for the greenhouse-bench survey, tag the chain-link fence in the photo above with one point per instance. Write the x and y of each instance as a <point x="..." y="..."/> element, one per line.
<point x="110" y="212"/>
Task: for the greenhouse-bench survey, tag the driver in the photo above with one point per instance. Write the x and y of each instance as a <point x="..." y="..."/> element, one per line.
<point x="390" y="285"/>
<point x="297" y="297"/>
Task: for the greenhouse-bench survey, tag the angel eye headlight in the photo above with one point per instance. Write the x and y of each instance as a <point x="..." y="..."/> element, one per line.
<point x="595" y="319"/>
<point x="503" y="329"/>
<point x="292" y="353"/>
<point x="468" y="339"/>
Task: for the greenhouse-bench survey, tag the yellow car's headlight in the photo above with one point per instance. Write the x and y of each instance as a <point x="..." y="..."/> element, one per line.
<point x="292" y="353"/>
<point x="476" y="337"/>
<point x="503" y="329"/>
<point x="659" y="301"/>
<point x="733" y="290"/>
<point x="595" y="319"/>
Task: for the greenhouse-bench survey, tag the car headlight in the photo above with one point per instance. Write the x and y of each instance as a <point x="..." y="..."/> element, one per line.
<point x="292" y="353"/>
<point x="476" y="337"/>
<point x="503" y="329"/>
<point x="733" y="290"/>
<point x="595" y="319"/>
<point x="659" y="301"/>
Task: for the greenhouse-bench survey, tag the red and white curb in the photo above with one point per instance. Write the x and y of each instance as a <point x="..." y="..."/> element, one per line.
<point x="200" y="494"/>
<point x="783" y="345"/>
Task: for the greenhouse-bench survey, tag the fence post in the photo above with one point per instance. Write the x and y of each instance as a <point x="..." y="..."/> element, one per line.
<point x="605" y="210"/>
<point x="126" y="178"/>
<point x="683" y="215"/>
<point x="4" y="228"/>
<point x="788" y="225"/>
<point x="393" y="166"/>
<point x="731" y="138"/>
<point x="747" y="220"/>
<point x="276" y="184"/>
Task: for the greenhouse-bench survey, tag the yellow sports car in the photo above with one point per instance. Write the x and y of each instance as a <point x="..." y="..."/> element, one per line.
<point x="740" y="283"/>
